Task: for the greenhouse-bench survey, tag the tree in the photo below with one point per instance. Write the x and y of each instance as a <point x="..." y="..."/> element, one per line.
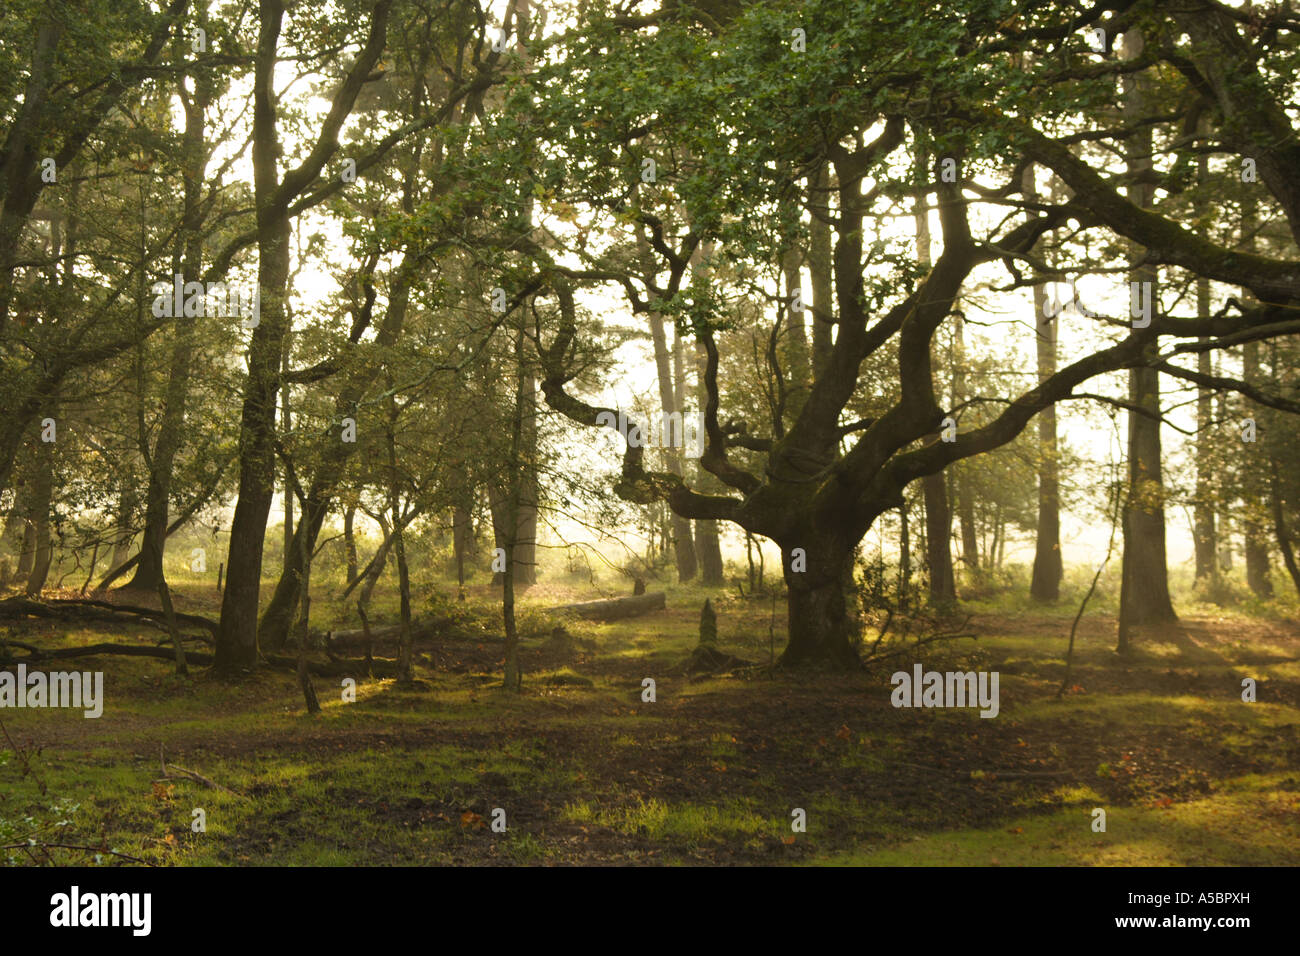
<point x="236" y="646"/>
<point x="796" y="486"/>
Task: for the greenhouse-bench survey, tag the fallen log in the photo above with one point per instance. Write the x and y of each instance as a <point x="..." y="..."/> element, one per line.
<point x="356" y="667"/>
<point x="615" y="609"/>
<point x="343" y="667"/>
<point x="91" y="650"/>
<point x="91" y="610"/>
<point x="419" y="629"/>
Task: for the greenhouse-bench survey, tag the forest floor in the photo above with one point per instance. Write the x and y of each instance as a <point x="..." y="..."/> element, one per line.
<point x="709" y="773"/>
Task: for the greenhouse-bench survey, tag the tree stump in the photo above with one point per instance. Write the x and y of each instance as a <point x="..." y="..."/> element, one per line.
<point x="708" y="625"/>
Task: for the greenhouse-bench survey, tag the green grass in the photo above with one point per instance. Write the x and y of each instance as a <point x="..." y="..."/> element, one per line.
<point x="587" y="772"/>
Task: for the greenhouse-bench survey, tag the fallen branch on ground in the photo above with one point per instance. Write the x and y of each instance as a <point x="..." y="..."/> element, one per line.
<point x="615" y="608"/>
<point x="92" y="610"/>
<point x="343" y="667"/>
<point x="73" y="846"/>
<point x="169" y="769"/>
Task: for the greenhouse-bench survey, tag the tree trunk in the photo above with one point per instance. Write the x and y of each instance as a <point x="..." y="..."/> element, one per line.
<point x="525" y="536"/>
<point x="404" y="649"/>
<point x="513" y="678"/>
<point x="126" y="502"/>
<point x="683" y="545"/>
<point x="1205" y="532"/>
<point x="1280" y="529"/>
<point x="236" y="645"/>
<point x="1255" y="492"/>
<point x="797" y="368"/>
<point x="820" y="626"/>
<point x="1045" y="584"/>
<point x="1144" y="540"/>
<point x="938" y="515"/>
<point x="961" y="474"/>
<point x="708" y="550"/>
<point x="938" y="531"/>
<point x="615" y="609"/>
<point x="27" y="555"/>
<point x="42" y="491"/>
<point x="1144" y="593"/>
<point x="149" y="570"/>
<point x="1204" y="535"/>
<point x="462" y="537"/>
<point x="819" y="269"/>
<point x="708" y="547"/>
<point x="350" y="540"/>
<point x="1254" y="517"/>
<point x="1045" y="581"/>
<point x="904" y="559"/>
<point x="287" y="527"/>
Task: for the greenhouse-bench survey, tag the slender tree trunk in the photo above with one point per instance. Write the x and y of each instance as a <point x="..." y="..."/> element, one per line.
<point x="1144" y="593"/>
<point x="683" y="545"/>
<point x="938" y="516"/>
<point x="42" y="493"/>
<point x="368" y="588"/>
<point x="1255" y="492"/>
<point x="236" y="645"/>
<point x="524" y="534"/>
<point x="904" y="559"/>
<point x="1045" y="581"/>
<point x="462" y="535"/>
<point x="1255" y="511"/>
<point x="1203" y="530"/>
<point x="237" y="636"/>
<point x="513" y="678"/>
<point x="819" y="269"/>
<point x="938" y="530"/>
<point x="962" y="473"/>
<point x="126" y="504"/>
<point x="27" y="557"/>
<point x="350" y="540"/>
<point x="708" y="547"/>
<point x="798" y="368"/>
<point x="285" y="425"/>
<point x="405" y="655"/>
<point x="1280" y="529"/>
<point x="171" y="429"/>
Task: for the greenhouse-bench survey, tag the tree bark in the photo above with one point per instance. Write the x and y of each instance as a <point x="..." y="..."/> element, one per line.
<point x="149" y="574"/>
<point x="39" y="515"/>
<point x="708" y="547"/>
<point x="615" y="609"/>
<point x="1255" y="492"/>
<point x="961" y="473"/>
<point x="404" y="643"/>
<point x="350" y="540"/>
<point x="683" y="545"/>
<point x="1144" y="592"/>
<point x="1204" y="534"/>
<point x="820" y="626"/>
<point x="819" y="269"/>
<point x="938" y="515"/>
<point x="237" y="648"/>
<point x="1280" y="528"/>
<point x="1045" y="581"/>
